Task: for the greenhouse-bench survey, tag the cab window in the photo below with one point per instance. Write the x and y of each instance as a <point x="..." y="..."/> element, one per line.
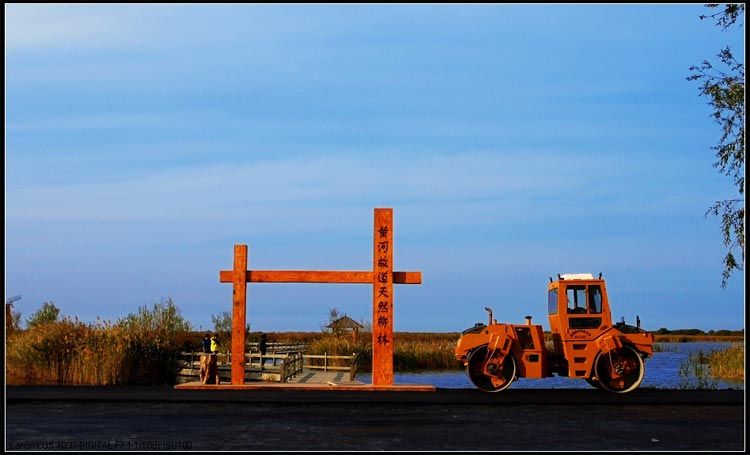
<point x="552" y="301"/>
<point x="576" y="299"/>
<point x="595" y="299"/>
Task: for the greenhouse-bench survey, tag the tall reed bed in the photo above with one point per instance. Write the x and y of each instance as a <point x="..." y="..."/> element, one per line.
<point x="141" y="348"/>
<point x="701" y="369"/>
<point x="658" y="347"/>
<point x="415" y="351"/>
<point x="728" y="364"/>
<point x="343" y="345"/>
<point x="695" y="372"/>
<point x="412" y="351"/>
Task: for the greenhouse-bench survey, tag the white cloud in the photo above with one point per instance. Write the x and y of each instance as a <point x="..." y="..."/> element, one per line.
<point x="54" y="26"/>
<point x="226" y="191"/>
<point x="98" y="121"/>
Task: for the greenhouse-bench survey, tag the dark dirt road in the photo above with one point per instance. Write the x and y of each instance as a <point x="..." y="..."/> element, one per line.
<point x="451" y="420"/>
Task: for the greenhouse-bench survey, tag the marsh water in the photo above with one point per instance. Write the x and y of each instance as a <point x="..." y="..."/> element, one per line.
<point x="662" y="372"/>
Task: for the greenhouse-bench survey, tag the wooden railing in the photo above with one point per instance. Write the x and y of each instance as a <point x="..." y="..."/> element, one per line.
<point x="291" y="366"/>
<point x="280" y="364"/>
<point x="352" y="368"/>
<point x="279" y="347"/>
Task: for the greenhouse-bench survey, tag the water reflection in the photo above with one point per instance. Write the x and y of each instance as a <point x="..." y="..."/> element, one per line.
<point x="662" y="372"/>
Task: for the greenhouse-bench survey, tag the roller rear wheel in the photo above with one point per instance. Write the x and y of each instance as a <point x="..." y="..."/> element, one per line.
<point x="487" y="382"/>
<point x="619" y="371"/>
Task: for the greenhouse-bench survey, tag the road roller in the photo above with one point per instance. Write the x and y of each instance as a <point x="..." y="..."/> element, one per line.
<point x="583" y="342"/>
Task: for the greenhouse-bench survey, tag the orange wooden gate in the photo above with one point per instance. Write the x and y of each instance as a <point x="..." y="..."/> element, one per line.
<point x="381" y="277"/>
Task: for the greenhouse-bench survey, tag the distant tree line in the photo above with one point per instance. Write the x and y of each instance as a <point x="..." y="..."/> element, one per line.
<point x="723" y="332"/>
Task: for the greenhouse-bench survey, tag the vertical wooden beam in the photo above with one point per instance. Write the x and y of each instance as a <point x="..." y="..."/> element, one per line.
<point x="382" y="300"/>
<point x="239" y="308"/>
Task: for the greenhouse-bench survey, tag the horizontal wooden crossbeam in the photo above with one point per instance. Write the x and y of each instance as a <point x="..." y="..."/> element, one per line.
<point x="317" y="276"/>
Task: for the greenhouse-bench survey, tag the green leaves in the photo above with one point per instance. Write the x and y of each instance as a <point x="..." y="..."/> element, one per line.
<point x="164" y="317"/>
<point x="727" y="17"/>
<point x="724" y="87"/>
<point x="47" y="313"/>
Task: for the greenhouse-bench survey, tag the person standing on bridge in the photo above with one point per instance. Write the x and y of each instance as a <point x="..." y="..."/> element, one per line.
<point x="207" y="343"/>
<point x="209" y="370"/>
<point x="262" y="346"/>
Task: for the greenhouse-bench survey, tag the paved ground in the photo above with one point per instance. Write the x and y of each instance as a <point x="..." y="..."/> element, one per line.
<point x="159" y="418"/>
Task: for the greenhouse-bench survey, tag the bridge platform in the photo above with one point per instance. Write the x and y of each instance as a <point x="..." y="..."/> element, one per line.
<point x="306" y="380"/>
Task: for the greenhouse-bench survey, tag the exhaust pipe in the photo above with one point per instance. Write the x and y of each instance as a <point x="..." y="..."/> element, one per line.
<point x="489" y="310"/>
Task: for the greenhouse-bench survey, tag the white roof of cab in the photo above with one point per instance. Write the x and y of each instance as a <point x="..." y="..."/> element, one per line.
<point x="577" y="276"/>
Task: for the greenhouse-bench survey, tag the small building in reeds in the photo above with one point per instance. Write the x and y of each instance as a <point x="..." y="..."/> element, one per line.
<point x="345" y="324"/>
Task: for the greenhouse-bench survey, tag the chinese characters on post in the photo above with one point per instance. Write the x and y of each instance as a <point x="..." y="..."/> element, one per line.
<point x="382" y="317"/>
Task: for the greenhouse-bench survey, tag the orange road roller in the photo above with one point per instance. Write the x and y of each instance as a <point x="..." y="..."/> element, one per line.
<point x="584" y="342"/>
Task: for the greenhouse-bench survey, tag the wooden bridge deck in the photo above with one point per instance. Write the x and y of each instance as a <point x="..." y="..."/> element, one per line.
<point x="282" y="368"/>
<point x="271" y="374"/>
<point x="322" y="377"/>
<point x="301" y="377"/>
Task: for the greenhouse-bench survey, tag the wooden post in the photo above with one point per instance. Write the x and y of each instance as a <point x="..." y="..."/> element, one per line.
<point x="382" y="300"/>
<point x="239" y="301"/>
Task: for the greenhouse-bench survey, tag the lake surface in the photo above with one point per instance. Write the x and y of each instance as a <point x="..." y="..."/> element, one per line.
<point x="662" y="372"/>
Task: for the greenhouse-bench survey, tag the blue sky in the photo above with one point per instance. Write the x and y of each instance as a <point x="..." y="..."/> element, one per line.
<point x="513" y="142"/>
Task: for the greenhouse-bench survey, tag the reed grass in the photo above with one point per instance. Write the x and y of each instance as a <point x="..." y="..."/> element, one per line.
<point x="412" y="351"/>
<point x="658" y="347"/>
<point x="729" y="363"/>
<point x="702" y="370"/>
<point x="695" y="373"/>
<point x="141" y="348"/>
